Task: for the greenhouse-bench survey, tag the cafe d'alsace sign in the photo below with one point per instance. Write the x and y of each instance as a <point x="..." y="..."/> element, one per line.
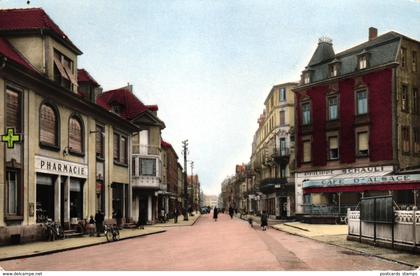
<point x="331" y="182"/>
<point x="55" y="166"/>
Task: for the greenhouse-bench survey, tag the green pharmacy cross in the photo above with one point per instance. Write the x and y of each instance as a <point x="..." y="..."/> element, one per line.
<point x="11" y="138"/>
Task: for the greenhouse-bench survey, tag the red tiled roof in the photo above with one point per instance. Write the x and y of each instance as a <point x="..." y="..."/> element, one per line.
<point x="130" y="105"/>
<point x="152" y="107"/>
<point x="7" y="50"/>
<point x="30" y="19"/>
<point x="84" y="76"/>
<point x="165" y="145"/>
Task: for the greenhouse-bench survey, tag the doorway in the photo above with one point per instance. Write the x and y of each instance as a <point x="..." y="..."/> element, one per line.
<point x="283" y="206"/>
<point x="143" y="210"/>
<point x="76" y="198"/>
<point x="44" y="197"/>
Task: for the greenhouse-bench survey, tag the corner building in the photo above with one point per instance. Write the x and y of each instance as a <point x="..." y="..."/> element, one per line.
<point x="63" y="169"/>
<point x="358" y="125"/>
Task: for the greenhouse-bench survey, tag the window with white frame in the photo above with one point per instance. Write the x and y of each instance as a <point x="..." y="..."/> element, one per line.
<point x="333" y="152"/>
<point x="282" y="94"/>
<point x="362" y="144"/>
<point x="362" y="61"/>
<point x="333" y="108"/>
<point x="306" y="113"/>
<point x="148" y="166"/>
<point x="307" y="151"/>
<point x="362" y="102"/>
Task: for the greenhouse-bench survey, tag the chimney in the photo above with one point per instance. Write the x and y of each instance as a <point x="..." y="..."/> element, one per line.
<point x="373" y="33"/>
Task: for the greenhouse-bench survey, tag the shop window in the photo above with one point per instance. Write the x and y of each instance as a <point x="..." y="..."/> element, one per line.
<point x="403" y="57"/>
<point x="333" y="108"/>
<point x="49" y="125"/>
<point x="63" y="71"/>
<point x="75" y="135"/>
<point x="414" y="62"/>
<point x="306" y="113"/>
<point x="405" y="133"/>
<point x="100" y="141"/>
<point x="416" y="133"/>
<point x="13" y="188"/>
<point x="148" y="166"/>
<point x="404" y="98"/>
<point x="333" y="148"/>
<point x="362" y="102"/>
<point x="307" y="156"/>
<point x="362" y="144"/>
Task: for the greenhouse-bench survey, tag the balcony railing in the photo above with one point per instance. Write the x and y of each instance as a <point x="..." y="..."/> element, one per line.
<point x="146" y="150"/>
<point x="150" y="182"/>
<point x="281" y="152"/>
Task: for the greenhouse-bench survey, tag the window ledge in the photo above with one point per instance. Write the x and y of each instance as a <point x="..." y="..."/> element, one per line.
<point x="120" y="164"/>
<point x="13" y="218"/>
<point x="80" y="154"/>
<point x="48" y="146"/>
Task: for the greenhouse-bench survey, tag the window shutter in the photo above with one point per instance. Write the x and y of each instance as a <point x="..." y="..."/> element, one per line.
<point x="12" y="110"/>
<point x="123" y="150"/>
<point x="333" y="142"/>
<point x="363" y="141"/>
<point x="306" y="151"/>
<point x="48" y="123"/>
<point x="75" y="135"/>
<point x="60" y="68"/>
<point x="99" y="140"/>
<point x="116" y="147"/>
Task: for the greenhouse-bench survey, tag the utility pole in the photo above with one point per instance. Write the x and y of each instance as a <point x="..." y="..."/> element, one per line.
<point x="185" y="152"/>
<point x="192" y="184"/>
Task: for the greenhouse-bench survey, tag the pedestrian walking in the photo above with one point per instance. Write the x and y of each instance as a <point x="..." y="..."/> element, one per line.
<point x="118" y="217"/>
<point x="215" y="213"/>
<point x="231" y="212"/>
<point x="99" y="220"/>
<point x="176" y="214"/>
<point x="264" y="221"/>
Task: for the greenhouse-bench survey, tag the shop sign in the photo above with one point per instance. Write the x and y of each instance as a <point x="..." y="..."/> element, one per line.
<point x="374" y="169"/>
<point x="361" y="180"/>
<point x="55" y="166"/>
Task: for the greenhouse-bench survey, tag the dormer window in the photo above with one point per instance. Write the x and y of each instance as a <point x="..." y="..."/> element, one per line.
<point x="362" y="62"/>
<point x="306" y="77"/>
<point x="116" y="108"/>
<point x="334" y="69"/>
<point x="63" y="71"/>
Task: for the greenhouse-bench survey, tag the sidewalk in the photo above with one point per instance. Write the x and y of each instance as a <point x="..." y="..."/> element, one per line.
<point x="337" y="235"/>
<point x="181" y="221"/>
<point x="46" y="247"/>
<point x="257" y="219"/>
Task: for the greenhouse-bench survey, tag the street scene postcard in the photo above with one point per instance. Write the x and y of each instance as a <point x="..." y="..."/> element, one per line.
<point x="208" y="136"/>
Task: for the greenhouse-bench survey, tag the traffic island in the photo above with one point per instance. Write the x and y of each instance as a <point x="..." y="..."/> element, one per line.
<point x="48" y="247"/>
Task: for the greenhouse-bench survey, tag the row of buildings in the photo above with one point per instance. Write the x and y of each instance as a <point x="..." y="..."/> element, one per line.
<point x="350" y="128"/>
<point x="70" y="148"/>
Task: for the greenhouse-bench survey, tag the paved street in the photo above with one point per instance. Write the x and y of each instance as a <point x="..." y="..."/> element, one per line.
<point x="223" y="245"/>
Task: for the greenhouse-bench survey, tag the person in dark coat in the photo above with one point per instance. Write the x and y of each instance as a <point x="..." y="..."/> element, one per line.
<point x="264" y="221"/>
<point x="231" y="212"/>
<point x="215" y="213"/>
<point x="176" y="214"/>
<point x="99" y="220"/>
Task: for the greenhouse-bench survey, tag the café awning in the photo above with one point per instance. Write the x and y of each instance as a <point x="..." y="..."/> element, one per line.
<point x="363" y="183"/>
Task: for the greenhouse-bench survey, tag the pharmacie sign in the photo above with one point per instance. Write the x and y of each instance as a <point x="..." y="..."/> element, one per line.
<point x="55" y="166"/>
<point x="361" y="180"/>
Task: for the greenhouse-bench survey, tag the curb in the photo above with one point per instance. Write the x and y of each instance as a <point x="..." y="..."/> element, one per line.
<point x="71" y="248"/>
<point x="177" y="225"/>
<point x="352" y="249"/>
<point x="297" y="227"/>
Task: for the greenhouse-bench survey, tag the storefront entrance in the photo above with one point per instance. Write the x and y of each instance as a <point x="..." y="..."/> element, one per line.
<point x="76" y="198"/>
<point x="143" y="210"/>
<point x="44" y="197"/>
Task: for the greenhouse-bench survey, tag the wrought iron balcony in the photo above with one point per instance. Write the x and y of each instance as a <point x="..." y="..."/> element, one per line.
<point x="146" y="150"/>
<point x="269" y="185"/>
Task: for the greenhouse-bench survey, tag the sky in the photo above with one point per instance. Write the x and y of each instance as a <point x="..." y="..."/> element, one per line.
<point x="209" y="64"/>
